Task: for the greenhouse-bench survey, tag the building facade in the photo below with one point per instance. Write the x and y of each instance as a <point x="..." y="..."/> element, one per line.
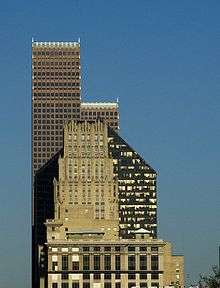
<point x="56" y="98"/>
<point x="136" y="181"/>
<point x="108" y="112"/>
<point x="83" y="247"/>
<point x="94" y="197"/>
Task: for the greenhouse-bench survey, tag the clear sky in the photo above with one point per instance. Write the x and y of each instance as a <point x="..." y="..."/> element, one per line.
<point x="162" y="60"/>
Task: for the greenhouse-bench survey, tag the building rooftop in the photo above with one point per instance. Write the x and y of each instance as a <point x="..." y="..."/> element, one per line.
<point x="55" y="44"/>
<point x="99" y="105"/>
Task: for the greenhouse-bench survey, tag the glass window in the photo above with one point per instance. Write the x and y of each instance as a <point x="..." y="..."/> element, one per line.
<point x="154" y="276"/>
<point x="97" y="276"/>
<point x="107" y="276"/>
<point x="117" y="248"/>
<point x="131" y="276"/>
<point x="96" y="262"/>
<point x="86" y="265"/>
<point x="75" y="285"/>
<point x="154" y="262"/>
<point x="131" y="285"/>
<point x="64" y="276"/>
<point x="86" y="276"/>
<point x="143" y="248"/>
<point x="75" y="265"/>
<point x="107" y="248"/>
<point x="64" y="262"/>
<point x="86" y="248"/>
<point x="131" y="262"/>
<point x="107" y="262"/>
<point x="117" y="262"/>
<point x="143" y="262"/>
<point x="131" y="248"/>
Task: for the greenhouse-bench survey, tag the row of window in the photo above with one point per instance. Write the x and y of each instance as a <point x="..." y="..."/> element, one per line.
<point x="55" y="84"/>
<point x="86" y="264"/>
<point x="56" y="95"/>
<point x="56" y="53"/>
<point x="56" y="63"/>
<point x="57" y="105"/>
<point x="61" y="73"/>
<point x="106" y="285"/>
<point x="108" y="276"/>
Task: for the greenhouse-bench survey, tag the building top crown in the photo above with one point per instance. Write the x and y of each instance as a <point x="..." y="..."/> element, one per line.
<point x="55" y="44"/>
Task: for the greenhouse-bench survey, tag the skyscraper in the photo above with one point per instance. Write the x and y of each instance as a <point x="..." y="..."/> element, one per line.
<point x="136" y="182"/>
<point x="83" y="247"/>
<point x="56" y="98"/>
<point x="93" y="194"/>
<point x="55" y="95"/>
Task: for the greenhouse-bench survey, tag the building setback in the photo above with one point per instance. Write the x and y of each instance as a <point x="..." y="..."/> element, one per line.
<point x="94" y="197"/>
<point x="83" y="247"/>
<point x="136" y="182"/>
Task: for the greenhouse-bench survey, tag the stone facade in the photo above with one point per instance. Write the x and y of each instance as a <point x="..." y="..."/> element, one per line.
<point x="84" y="248"/>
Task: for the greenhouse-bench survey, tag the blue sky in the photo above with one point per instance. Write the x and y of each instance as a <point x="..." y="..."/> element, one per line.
<point x="161" y="59"/>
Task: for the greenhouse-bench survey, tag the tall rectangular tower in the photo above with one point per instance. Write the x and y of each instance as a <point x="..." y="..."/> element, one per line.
<point x="55" y="96"/>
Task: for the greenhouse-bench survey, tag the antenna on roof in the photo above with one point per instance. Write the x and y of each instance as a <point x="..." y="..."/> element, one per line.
<point x="32" y="39"/>
<point x="117" y="100"/>
<point x="79" y="40"/>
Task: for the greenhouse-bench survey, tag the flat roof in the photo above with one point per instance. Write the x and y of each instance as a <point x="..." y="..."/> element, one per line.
<point x="99" y="105"/>
<point x="55" y="44"/>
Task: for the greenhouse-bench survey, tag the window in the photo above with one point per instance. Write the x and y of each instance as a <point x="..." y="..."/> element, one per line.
<point x="154" y="248"/>
<point x="143" y="248"/>
<point x="131" y="262"/>
<point x="96" y="248"/>
<point x="154" y="276"/>
<point x="117" y="262"/>
<point x="107" y="285"/>
<point x="54" y="266"/>
<point x="86" y="276"/>
<point x="64" y="276"/>
<point x="64" y="285"/>
<point x="155" y="285"/>
<point x="117" y="285"/>
<point x="75" y="285"/>
<point x="86" y="262"/>
<point x="107" y="262"/>
<point x="131" y="276"/>
<point x="143" y="276"/>
<point x="131" y="248"/>
<point x="107" y="248"/>
<point x="54" y="285"/>
<point x="96" y="262"/>
<point x="86" y="285"/>
<point x="117" y="276"/>
<point x="64" y="262"/>
<point x="143" y="262"/>
<point x="97" y="276"/>
<point x="154" y="262"/>
<point x="75" y="265"/>
<point x="131" y="285"/>
<point x="85" y="248"/>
